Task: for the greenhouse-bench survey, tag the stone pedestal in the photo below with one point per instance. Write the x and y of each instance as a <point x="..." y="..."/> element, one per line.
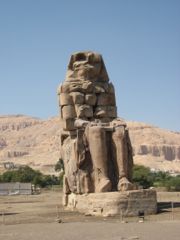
<point x="128" y="203"/>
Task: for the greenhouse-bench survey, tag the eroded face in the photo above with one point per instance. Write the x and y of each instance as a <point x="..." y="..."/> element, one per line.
<point x="87" y="65"/>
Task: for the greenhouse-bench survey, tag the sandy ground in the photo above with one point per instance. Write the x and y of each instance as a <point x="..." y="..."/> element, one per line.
<point x="92" y="231"/>
<point x="35" y="217"/>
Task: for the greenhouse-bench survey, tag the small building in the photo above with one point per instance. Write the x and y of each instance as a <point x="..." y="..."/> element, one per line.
<point x="9" y="165"/>
<point x="16" y="188"/>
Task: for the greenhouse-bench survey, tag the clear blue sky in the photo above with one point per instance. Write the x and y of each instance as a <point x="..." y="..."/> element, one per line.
<point x="139" y="40"/>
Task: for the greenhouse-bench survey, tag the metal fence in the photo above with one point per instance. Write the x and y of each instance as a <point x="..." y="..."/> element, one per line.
<point x="15" y="188"/>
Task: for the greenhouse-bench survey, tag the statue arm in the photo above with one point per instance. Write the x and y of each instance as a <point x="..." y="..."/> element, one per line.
<point x="80" y="123"/>
<point x="117" y="122"/>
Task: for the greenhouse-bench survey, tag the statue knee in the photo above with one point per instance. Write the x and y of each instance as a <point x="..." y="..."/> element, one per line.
<point x="96" y="132"/>
<point x="119" y="132"/>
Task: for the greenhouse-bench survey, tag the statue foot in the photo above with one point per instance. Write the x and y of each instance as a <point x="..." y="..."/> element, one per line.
<point x="124" y="185"/>
<point x="104" y="185"/>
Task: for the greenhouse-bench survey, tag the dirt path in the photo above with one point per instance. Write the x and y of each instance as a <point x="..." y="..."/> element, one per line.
<point x="92" y="231"/>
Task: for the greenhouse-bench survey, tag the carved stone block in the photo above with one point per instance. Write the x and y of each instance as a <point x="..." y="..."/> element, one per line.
<point x="105" y="120"/>
<point x="101" y="112"/>
<point x="68" y="87"/>
<point x="78" y="98"/>
<point x="105" y="99"/>
<point x="68" y="112"/>
<point x="100" y="87"/>
<point x="65" y="99"/>
<point x="128" y="203"/>
<point x="84" y="111"/>
<point x="87" y="87"/>
<point x="90" y="99"/>
<point x="112" y="111"/>
<point x="64" y="88"/>
<point x="68" y="124"/>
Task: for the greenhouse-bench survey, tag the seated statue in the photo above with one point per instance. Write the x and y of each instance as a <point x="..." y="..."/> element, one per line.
<point x="95" y="144"/>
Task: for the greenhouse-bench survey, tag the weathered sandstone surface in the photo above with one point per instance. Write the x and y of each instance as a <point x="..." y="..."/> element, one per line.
<point x="32" y="141"/>
<point x="127" y="203"/>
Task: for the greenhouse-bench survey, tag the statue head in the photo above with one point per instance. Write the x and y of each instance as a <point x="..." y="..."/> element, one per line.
<point x="86" y="66"/>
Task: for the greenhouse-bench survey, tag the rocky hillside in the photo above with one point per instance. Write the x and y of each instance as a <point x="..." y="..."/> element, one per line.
<point x="156" y="148"/>
<point x="27" y="140"/>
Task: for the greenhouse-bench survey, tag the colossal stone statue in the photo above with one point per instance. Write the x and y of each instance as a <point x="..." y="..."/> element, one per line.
<point x="95" y="144"/>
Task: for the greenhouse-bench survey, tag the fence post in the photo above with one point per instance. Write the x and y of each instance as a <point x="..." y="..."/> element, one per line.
<point x="3" y="218"/>
<point x="172" y="210"/>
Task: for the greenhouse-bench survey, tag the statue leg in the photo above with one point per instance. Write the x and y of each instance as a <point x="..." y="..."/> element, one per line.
<point x="120" y="148"/>
<point x="98" y="150"/>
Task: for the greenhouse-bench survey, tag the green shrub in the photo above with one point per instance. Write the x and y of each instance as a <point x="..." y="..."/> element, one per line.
<point x="142" y="176"/>
<point x="145" y="178"/>
<point x="27" y="174"/>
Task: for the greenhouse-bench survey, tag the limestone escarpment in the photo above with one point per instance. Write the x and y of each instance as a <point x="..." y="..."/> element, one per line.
<point x="156" y="148"/>
<point x="27" y="140"/>
<point x="166" y="151"/>
<point x="21" y="122"/>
